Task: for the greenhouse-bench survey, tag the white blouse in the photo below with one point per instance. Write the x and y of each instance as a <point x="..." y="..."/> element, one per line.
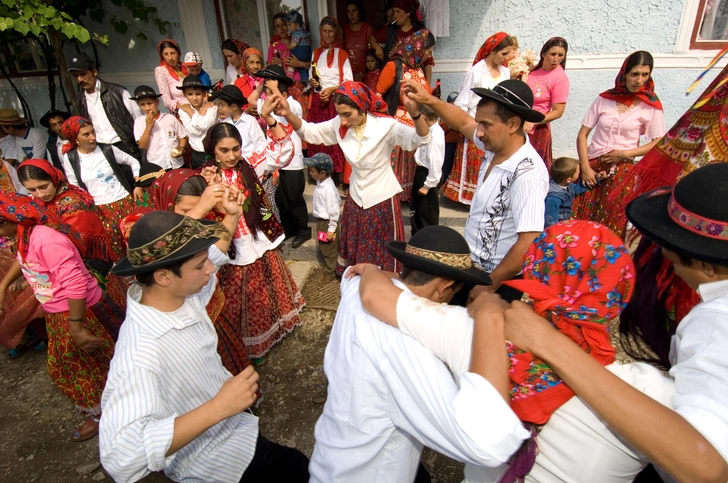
<point x="478" y="76"/>
<point x="330" y="75"/>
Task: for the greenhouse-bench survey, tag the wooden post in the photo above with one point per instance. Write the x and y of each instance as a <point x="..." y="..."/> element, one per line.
<point x="68" y="83"/>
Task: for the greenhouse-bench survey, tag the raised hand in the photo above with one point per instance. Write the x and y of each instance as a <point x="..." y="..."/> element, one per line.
<point x="416" y="91"/>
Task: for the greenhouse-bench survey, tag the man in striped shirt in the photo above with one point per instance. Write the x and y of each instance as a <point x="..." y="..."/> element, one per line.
<point x="169" y="404"/>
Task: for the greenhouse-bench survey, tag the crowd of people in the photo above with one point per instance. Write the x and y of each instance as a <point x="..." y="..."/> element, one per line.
<point x="141" y="249"/>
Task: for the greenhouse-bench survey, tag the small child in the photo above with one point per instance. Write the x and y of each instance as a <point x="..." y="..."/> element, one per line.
<point x="197" y="116"/>
<point x="424" y="207"/>
<point x="452" y="136"/>
<point x="564" y="185"/>
<point x="373" y="71"/>
<point x="299" y="45"/>
<point x="326" y="207"/>
<point x="193" y="62"/>
<point x="160" y="134"/>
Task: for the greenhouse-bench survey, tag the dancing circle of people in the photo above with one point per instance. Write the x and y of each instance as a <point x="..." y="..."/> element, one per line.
<point x="142" y="250"/>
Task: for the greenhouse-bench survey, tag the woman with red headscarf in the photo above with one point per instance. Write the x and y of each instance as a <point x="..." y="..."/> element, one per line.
<point x="619" y="118"/>
<point x="330" y="67"/>
<point x="489" y="68"/>
<point x="247" y="83"/>
<point x="372" y="214"/>
<point x="81" y="319"/>
<point x="170" y="73"/>
<point x="232" y="50"/>
<point x="550" y="88"/>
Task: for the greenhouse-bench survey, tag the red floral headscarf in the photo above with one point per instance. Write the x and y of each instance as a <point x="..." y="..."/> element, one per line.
<point x="364" y="98"/>
<point x="164" y="189"/>
<point x="579" y="275"/>
<point x="621" y="94"/>
<point x="490" y="43"/>
<point x="70" y="129"/>
<point x="164" y="64"/>
<point x="338" y="41"/>
<point x="58" y="178"/>
<point x="412" y="52"/>
<point x="25" y="212"/>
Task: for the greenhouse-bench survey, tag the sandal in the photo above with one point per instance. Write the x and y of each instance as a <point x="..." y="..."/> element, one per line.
<point x="87" y="430"/>
<point x="258" y="361"/>
<point x="29" y="339"/>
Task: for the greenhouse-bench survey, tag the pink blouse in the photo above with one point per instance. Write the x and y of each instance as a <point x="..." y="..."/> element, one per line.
<point x="167" y="85"/>
<point x="54" y="269"/>
<point x="548" y="88"/>
<point x="613" y="130"/>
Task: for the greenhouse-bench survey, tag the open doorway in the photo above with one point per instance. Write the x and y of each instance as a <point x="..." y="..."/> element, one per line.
<point x="376" y="12"/>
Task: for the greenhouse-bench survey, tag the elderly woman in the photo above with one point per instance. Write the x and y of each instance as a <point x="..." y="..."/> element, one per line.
<point x="232" y="50"/>
<point x="247" y="83"/>
<point x="170" y="73"/>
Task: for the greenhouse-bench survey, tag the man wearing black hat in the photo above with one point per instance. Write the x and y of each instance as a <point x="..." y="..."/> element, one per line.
<point x="507" y="212"/>
<point x="107" y="105"/>
<point x="388" y="396"/>
<point x="169" y="404"/>
<point x="53" y="120"/>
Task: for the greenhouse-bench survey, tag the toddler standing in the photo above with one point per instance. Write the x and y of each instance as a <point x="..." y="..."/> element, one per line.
<point x="326" y="207"/>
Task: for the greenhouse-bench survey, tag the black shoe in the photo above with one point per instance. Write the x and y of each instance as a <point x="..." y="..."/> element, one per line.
<point x="300" y="240"/>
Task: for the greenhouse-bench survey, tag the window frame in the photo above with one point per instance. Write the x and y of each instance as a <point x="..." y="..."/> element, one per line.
<point x="696" y="44"/>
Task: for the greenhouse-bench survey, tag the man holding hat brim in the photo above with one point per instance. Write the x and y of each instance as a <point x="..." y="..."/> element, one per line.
<point x="388" y="395"/>
<point x="108" y="106"/>
<point x="507" y="212"/>
<point x="169" y="403"/>
<point x="197" y="117"/>
<point x="30" y="142"/>
<point x="159" y="134"/>
<point x="53" y="120"/>
<point x="289" y="195"/>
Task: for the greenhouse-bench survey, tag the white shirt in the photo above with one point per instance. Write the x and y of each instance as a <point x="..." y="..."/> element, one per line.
<point x="478" y="76"/>
<point x="432" y="156"/>
<point x="327" y="202"/>
<point x="32" y="145"/>
<point x="509" y="202"/>
<point x="372" y="179"/>
<point x="231" y="74"/>
<point x="575" y="445"/>
<point x="164" y="137"/>
<point x="252" y="135"/>
<point x="197" y="125"/>
<point x="388" y="396"/>
<point x="295" y="108"/>
<point x="97" y="175"/>
<point x="329" y="76"/>
<point x="19" y="188"/>
<point x="105" y="133"/>
<point x="700" y="367"/>
<point x="165" y="365"/>
<point x="8" y="149"/>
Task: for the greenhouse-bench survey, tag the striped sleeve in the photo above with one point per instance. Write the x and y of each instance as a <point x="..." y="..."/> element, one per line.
<point x="528" y="195"/>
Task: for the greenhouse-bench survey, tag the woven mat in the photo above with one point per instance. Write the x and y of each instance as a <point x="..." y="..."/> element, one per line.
<point x="321" y="290"/>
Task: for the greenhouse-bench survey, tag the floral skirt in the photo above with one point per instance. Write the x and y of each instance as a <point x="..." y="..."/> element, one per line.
<point x="322" y="112"/>
<point x="230" y="344"/>
<point x="111" y="216"/>
<point x="21" y="307"/>
<point x="365" y="233"/>
<point x="82" y="375"/>
<point x="263" y="300"/>
<point x="540" y="139"/>
<point x="593" y="204"/>
<point x="404" y="166"/>
<point x="463" y="180"/>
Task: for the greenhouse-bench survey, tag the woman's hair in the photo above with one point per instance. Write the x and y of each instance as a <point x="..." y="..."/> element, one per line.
<point x="27" y="172"/>
<point x="373" y="53"/>
<point x="230" y="45"/>
<point x="430" y="41"/>
<point x="641" y="57"/>
<point x="359" y="5"/>
<point x="345" y="100"/>
<point x="276" y="17"/>
<point x="167" y="44"/>
<point x="330" y="21"/>
<point x="194" y="186"/>
<point x="505" y="43"/>
<point x="220" y="132"/>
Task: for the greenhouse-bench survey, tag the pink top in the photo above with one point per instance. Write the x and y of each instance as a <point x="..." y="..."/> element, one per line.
<point x="167" y="85"/>
<point x="279" y="47"/>
<point x="55" y="271"/>
<point x="549" y="88"/>
<point x="620" y="131"/>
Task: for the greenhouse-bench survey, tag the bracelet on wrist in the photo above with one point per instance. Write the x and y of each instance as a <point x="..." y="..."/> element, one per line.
<point x="275" y="123"/>
<point x="414" y="118"/>
<point x="77" y="321"/>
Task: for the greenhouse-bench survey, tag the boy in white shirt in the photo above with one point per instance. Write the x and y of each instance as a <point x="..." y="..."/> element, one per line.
<point x="230" y="104"/>
<point x="197" y="116"/>
<point x="30" y="142"/>
<point x="425" y="207"/>
<point x="326" y="207"/>
<point x="160" y="134"/>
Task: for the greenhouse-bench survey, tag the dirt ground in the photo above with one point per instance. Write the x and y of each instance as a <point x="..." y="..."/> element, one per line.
<point x="37" y="420"/>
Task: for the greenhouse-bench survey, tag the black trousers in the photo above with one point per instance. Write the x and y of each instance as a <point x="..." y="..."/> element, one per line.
<point x="274" y="463"/>
<point x="509" y="294"/>
<point x="198" y="159"/>
<point x="449" y="160"/>
<point x="289" y="198"/>
<point x="424" y="210"/>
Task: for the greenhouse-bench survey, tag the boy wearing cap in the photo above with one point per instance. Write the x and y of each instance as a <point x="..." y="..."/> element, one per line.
<point x="30" y="142"/>
<point x="193" y="62"/>
<point x="197" y="116"/>
<point x="169" y="404"/>
<point x="326" y="208"/>
<point x="231" y="101"/>
<point x="160" y="134"/>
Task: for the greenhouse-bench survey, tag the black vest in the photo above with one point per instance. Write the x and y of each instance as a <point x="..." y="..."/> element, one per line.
<point x="122" y="172"/>
<point x="53" y="150"/>
<point x="112" y="98"/>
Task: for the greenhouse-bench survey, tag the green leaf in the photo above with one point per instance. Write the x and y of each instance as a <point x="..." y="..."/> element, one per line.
<point x="35" y="28"/>
<point x="9" y="3"/>
<point x="22" y="27"/>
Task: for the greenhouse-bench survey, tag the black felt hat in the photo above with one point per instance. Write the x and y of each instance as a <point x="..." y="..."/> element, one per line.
<point x="192" y="81"/>
<point x="441" y="251"/>
<point x="53" y="113"/>
<point x="692" y="218"/>
<point x="162" y="238"/>
<point x="144" y="92"/>
<point x="148" y="173"/>
<point x="275" y="72"/>
<point x="514" y="95"/>
<point x="81" y="62"/>
<point x="231" y="94"/>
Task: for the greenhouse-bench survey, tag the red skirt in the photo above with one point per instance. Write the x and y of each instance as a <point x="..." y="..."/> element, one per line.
<point x="322" y="112"/>
<point x="540" y="139"/>
<point x="404" y="166"/>
<point x="463" y="180"/>
<point x="263" y="300"/>
<point x="364" y="234"/>
<point x="230" y="344"/>
<point x="111" y="216"/>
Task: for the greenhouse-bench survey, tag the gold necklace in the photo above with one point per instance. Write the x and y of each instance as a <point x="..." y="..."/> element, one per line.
<point x="359" y="133"/>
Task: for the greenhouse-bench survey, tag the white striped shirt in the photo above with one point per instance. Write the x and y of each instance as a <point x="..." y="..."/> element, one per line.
<point x="509" y="202"/>
<point x="164" y="366"/>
